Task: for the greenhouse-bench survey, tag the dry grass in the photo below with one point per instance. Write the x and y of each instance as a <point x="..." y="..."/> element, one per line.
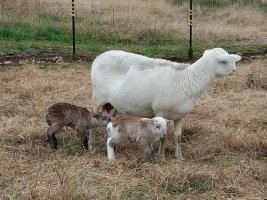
<point x="153" y="18"/>
<point x="224" y="143"/>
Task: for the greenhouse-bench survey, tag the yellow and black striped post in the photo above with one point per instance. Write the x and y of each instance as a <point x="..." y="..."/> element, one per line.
<point x="190" y="12"/>
<point x="73" y="25"/>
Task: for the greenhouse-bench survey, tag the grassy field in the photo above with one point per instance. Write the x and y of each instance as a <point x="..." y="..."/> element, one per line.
<point x="156" y="28"/>
<point x="224" y="138"/>
<point x="224" y="142"/>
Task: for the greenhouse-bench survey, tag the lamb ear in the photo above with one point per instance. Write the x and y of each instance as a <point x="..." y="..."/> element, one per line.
<point x="113" y="113"/>
<point x="229" y="58"/>
<point x="96" y="115"/>
<point x="149" y="121"/>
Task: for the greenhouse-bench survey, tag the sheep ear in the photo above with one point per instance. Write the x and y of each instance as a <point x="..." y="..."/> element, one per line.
<point x="229" y="58"/>
<point x="149" y="121"/>
<point x="206" y="52"/>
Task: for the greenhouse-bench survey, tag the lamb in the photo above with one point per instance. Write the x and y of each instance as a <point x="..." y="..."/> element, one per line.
<point x="142" y="131"/>
<point x="148" y="87"/>
<point x="78" y="118"/>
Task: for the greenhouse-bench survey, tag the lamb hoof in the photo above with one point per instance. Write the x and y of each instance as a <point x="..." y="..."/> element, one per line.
<point x="179" y="158"/>
<point x="84" y="147"/>
<point x="161" y="157"/>
<point x="53" y="147"/>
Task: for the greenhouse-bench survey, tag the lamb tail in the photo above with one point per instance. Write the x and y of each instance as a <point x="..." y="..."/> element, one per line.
<point x="47" y="120"/>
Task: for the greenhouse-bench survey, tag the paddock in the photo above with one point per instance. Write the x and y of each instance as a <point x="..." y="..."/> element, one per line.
<point x="224" y="142"/>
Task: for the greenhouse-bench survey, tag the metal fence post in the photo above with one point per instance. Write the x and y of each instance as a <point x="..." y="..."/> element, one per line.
<point x="73" y="26"/>
<point x="190" y="12"/>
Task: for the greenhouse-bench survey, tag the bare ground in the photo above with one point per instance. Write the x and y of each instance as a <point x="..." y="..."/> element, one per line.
<point x="224" y="142"/>
<point x="52" y="58"/>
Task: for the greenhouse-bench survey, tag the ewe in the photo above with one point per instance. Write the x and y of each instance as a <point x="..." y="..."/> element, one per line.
<point x="78" y="118"/>
<point x="148" y="87"/>
<point x="142" y="131"/>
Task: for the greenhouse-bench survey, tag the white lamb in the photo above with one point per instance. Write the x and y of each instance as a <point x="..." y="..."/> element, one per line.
<point x="148" y="87"/>
<point x="142" y="131"/>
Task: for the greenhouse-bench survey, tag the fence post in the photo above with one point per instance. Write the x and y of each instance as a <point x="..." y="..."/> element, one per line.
<point x="73" y="26"/>
<point x="190" y="12"/>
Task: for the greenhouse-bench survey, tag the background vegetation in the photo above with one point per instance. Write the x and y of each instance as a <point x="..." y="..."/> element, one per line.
<point x="155" y="28"/>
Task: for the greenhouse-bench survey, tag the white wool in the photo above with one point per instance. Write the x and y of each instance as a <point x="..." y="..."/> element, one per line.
<point x="148" y="87"/>
<point x="134" y="131"/>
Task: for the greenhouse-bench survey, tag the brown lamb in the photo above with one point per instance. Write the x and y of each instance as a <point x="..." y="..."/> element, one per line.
<point x="78" y="118"/>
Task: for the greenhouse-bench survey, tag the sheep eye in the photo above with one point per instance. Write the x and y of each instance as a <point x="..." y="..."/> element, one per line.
<point x="223" y="62"/>
<point x="158" y="126"/>
<point x="104" y="118"/>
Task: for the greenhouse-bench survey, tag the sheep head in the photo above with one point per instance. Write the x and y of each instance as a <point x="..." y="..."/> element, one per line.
<point x="157" y="125"/>
<point x="224" y="62"/>
<point x="100" y="119"/>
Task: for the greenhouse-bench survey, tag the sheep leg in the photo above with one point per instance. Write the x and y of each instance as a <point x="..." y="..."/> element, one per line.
<point x="161" y="152"/>
<point x="91" y="132"/>
<point x="84" y="141"/>
<point x="151" y="147"/>
<point x="177" y="138"/>
<point x="147" y="152"/>
<point x="83" y="138"/>
<point x="91" y="141"/>
<point x="110" y="147"/>
<point x="51" y="134"/>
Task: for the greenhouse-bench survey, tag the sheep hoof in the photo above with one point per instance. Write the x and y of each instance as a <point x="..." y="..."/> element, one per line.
<point x="111" y="158"/>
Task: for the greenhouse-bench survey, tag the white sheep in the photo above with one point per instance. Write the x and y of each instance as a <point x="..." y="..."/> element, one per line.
<point x="148" y="87"/>
<point x="142" y="131"/>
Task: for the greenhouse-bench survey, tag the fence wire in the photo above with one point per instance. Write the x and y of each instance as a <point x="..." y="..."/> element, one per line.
<point x="159" y="14"/>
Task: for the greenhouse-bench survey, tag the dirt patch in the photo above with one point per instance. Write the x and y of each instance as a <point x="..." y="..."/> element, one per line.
<point x="12" y="60"/>
<point x="42" y="58"/>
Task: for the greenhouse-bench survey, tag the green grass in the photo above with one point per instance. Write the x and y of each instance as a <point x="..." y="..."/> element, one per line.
<point x="218" y="4"/>
<point x="52" y="34"/>
<point x="22" y="31"/>
<point x="25" y="37"/>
